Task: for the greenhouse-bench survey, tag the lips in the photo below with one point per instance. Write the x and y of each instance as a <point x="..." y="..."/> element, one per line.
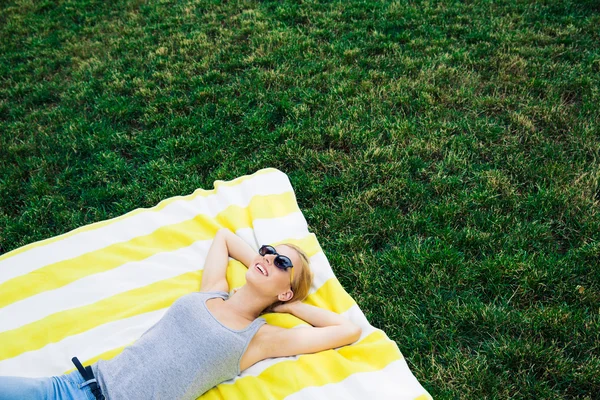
<point x="258" y="269"/>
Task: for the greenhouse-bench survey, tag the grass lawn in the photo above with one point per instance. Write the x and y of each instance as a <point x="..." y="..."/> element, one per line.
<point x="446" y="155"/>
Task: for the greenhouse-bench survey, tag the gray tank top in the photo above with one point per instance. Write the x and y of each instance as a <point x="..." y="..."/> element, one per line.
<point x="186" y="353"/>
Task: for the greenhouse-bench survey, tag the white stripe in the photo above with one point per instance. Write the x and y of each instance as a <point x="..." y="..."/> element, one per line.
<point x="287" y="227"/>
<point x="143" y="223"/>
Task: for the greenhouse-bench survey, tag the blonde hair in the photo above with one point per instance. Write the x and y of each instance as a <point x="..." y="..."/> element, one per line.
<point x="301" y="283"/>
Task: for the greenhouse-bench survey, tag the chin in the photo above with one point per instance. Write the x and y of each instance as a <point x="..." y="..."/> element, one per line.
<point x="257" y="285"/>
<point x="252" y="280"/>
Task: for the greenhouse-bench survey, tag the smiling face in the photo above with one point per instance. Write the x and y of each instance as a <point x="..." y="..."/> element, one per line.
<point x="274" y="281"/>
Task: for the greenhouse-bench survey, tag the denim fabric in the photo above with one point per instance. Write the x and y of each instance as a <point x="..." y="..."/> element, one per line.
<point x="61" y="387"/>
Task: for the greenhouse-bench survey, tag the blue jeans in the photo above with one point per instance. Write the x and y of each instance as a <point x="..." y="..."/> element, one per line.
<point x="61" y="387"/>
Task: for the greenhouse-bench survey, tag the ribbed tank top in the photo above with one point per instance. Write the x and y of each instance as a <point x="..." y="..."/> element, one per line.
<point x="186" y="353"/>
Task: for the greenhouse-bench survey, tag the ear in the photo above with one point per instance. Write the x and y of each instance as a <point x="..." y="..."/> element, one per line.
<point x="286" y="295"/>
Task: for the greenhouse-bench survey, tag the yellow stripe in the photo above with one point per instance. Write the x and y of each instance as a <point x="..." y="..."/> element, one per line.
<point x="165" y="239"/>
<point x="373" y="353"/>
<point x="197" y="193"/>
<point x="331" y="296"/>
<point x="424" y="397"/>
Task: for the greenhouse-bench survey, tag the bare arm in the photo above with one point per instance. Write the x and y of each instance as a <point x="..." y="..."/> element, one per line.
<point x="238" y="248"/>
<point x="330" y="331"/>
<point x="215" y="266"/>
<point x="225" y="244"/>
<point x="315" y="316"/>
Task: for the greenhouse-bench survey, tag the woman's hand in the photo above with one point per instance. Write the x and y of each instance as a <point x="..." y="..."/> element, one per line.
<point x="282" y="308"/>
<point x="287" y="307"/>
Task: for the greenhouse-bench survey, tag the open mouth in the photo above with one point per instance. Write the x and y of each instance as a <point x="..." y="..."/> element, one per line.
<point x="261" y="269"/>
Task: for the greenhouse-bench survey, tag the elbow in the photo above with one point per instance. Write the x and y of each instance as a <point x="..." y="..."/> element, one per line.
<point x="355" y="333"/>
<point x="223" y="231"/>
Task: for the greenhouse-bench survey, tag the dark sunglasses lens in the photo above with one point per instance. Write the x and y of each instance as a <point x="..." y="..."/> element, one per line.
<point x="283" y="262"/>
<point x="265" y="249"/>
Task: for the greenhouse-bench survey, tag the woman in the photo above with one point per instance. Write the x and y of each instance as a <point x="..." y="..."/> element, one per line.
<point x="208" y="337"/>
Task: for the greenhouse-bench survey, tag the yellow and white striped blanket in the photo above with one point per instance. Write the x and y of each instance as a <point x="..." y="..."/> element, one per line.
<point x="93" y="291"/>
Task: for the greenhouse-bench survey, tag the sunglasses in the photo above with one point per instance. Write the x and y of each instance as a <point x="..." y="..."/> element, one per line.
<point x="281" y="262"/>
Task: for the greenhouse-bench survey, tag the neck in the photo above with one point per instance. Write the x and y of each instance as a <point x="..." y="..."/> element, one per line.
<point x="248" y="303"/>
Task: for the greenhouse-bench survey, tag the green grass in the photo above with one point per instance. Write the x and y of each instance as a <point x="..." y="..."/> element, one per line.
<point x="446" y="155"/>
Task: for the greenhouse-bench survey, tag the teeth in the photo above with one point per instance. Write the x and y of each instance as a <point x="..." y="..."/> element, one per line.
<point x="261" y="270"/>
